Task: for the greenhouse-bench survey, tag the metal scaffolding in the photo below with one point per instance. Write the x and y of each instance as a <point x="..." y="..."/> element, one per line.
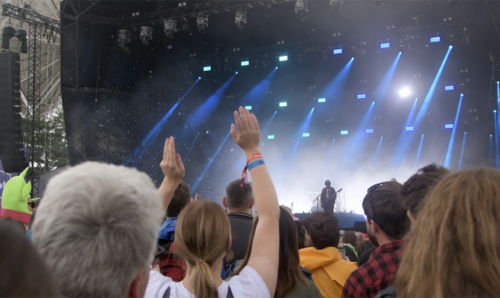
<point x="39" y="26"/>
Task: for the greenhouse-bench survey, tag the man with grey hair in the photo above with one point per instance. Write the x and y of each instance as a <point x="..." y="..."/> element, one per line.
<point x="97" y="226"/>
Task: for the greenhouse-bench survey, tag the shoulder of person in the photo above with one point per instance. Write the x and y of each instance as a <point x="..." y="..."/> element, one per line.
<point x="248" y="284"/>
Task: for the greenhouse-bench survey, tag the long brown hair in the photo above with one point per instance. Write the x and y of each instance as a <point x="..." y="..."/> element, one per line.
<point x="289" y="273"/>
<point x="454" y="248"/>
<point x="202" y="235"/>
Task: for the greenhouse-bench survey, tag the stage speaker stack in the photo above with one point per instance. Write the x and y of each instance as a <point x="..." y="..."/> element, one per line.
<point x="11" y="140"/>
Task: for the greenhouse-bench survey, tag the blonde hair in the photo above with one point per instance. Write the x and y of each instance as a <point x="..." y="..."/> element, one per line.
<point x="454" y="249"/>
<point x="202" y="235"/>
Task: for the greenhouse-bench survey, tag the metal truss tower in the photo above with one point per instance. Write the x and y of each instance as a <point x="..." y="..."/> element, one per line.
<point x="39" y="26"/>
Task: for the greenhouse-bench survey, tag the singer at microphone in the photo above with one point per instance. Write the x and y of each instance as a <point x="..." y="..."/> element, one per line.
<point x="328" y="197"/>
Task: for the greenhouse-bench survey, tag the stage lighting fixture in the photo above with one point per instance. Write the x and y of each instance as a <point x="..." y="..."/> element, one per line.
<point x="491" y="136"/>
<point x="301" y="9"/>
<point x="123" y="37"/>
<point x="344" y="132"/>
<point x="283" y="58"/>
<point x="361" y="96"/>
<point x="305" y="135"/>
<point x="240" y="18"/>
<point x="321" y="100"/>
<point x="170" y="27"/>
<point x="337" y="51"/>
<point x="409" y="128"/>
<point x="404" y="92"/>
<point x="199" y="78"/>
<point x="135" y="14"/>
<point x="7" y="34"/>
<point x="248" y="108"/>
<point x="448" y="126"/>
<point x="283" y="104"/>
<point x="21" y="35"/>
<point x="436" y="39"/>
<point x="336" y="5"/>
<point x="245" y="63"/>
<point x="385" y="45"/>
<point x="202" y="22"/>
<point x="270" y="137"/>
<point x="494" y="111"/>
<point x="207" y="68"/>
<point x="449" y="87"/>
<point x="185" y="26"/>
<point x="369" y="130"/>
<point x="182" y="4"/>
<point x="236" y="72"/>
<point x="146" y="34"/>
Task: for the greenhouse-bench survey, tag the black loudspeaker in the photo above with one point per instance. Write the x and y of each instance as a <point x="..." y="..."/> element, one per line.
<point x="360" y="226"/>
<point x="11" y="140"/>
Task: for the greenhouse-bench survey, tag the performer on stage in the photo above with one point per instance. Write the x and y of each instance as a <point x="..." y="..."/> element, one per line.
<point x="328" y="197"/>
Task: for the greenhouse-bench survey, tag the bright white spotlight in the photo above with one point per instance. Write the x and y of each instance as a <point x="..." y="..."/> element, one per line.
<point x="404" y="92"/>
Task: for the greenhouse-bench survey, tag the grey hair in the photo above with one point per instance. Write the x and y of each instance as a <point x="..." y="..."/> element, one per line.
<point x="96" y="228"/>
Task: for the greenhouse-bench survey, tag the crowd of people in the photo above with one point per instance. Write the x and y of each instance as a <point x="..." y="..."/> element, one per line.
<point x="106" y="231"/>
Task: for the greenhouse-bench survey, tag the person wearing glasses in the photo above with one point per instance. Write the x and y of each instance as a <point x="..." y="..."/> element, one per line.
<point x="387" y="225"/>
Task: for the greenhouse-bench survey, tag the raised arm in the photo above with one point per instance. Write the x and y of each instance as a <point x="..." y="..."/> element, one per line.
<point x="265" y="248"/>
<point x="173" y="171"/>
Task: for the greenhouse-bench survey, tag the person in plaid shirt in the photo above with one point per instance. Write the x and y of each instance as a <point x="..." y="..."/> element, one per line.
<point x="386" y="224"/>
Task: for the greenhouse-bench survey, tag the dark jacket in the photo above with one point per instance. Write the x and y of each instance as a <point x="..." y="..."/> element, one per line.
<point x="241" y="225"/>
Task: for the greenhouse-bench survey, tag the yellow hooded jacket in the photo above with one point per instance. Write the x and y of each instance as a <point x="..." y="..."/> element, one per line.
<point x="329" y="271"/>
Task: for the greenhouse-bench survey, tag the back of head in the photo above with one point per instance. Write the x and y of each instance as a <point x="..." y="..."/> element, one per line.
<point x="363" y="246"/>
<point x="238" y="197"/>
<point x="24" y="274"/>
<point x="324" y="230"/>
<point x="97" y="228"/>
<point x="202" y="236"/>
<point x="350" y="238"/>
<point x="181" y="198"/>
<point x="454" y="249"/>
<point x="289" y="273"/>
<point x="301" y="232"/>
<point x="419" y="185"/>
<point x="383" y="205"/>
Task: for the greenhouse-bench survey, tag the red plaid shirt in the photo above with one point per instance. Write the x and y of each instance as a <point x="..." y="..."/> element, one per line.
<point x="376" y="274"/>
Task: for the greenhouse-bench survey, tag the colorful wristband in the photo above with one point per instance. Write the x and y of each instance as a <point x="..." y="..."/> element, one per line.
<point x="253" y="157"/>
<point x="255" y="164"/>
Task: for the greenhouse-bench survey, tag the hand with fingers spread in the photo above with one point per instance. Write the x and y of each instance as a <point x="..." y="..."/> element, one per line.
<point x="171" y="164"/>
<point x="173" y="169"/>
<point x="246" y="132"/>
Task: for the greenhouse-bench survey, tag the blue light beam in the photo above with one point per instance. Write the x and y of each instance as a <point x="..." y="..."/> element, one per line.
<point x="148" y="141"/>
<point x="258" y="93"/>
<point x="190" y="148"/>
<point x="452" y="138"/>
<point x="336" y="86"/>
<point x="209" y="164"/>
<point x="432" y="89"/>
<point x="462" y="152"/>
<point x="419" y="153"/>
<point x="402" y="145"/>
<point x="305" y="125"/>
<point x="376" y="155"/>
<point x="386" y="80"/>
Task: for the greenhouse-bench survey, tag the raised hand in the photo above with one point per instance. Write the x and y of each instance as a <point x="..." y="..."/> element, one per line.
<point x="246" y="132"/>
<point x="171" y="164"/>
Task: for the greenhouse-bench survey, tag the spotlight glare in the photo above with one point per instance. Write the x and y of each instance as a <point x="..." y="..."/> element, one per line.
<point x="305" y="135"/>
<point x="436" y="39"/>
<point x="248" y="108"/>
<point x="245" y="63"/>
<point x="385" y="45"/>
<point x="236" y="72"/>
<point x="207" y="68"/>
<point x="449" y="87"/>
<point x="369" y="130"/>
<point x="448" y="126"/>
<point x="283" y="58"/>
<point x="199" y="78"/>
<point x="321" y="100"/>
<point x="270" y="137"/>
<point x="283" y="104"/>
<point x="337" y="51"/>
<point x="361" y="96"/>
<point x="409" y="128"/>
<point x="344" y="132"/>
<point x="404" y="92"/>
